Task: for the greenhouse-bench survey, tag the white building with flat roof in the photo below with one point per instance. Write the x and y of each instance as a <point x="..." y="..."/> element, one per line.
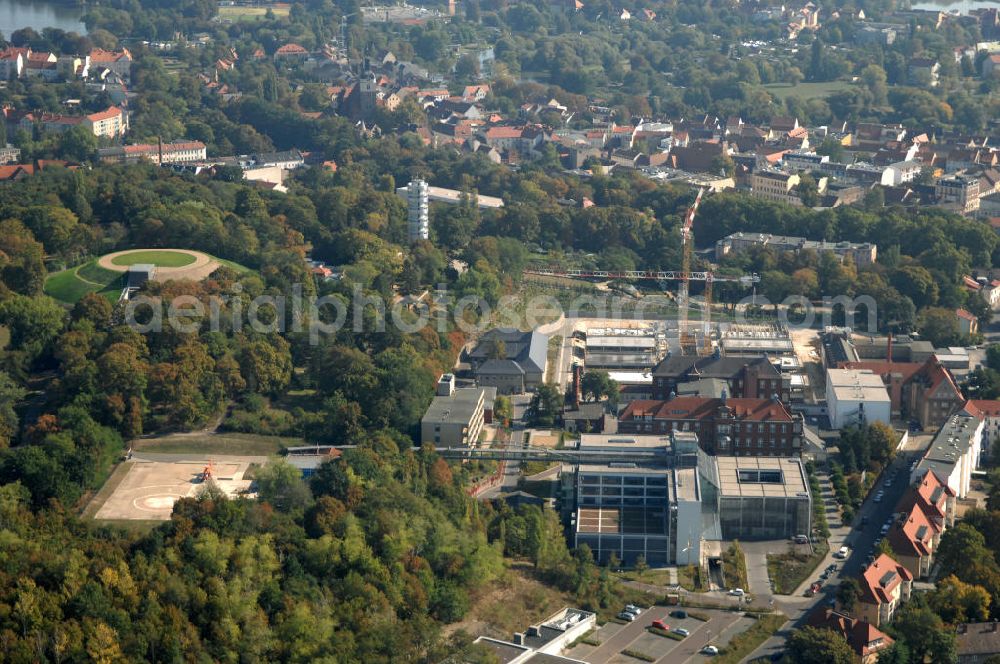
<point x="954" y="453"/>
<point x="856" y="396"/>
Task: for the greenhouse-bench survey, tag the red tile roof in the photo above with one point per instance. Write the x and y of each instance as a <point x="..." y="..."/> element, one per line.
<point x="16" y="171"/>
<point x="291" y="49"/>
<point x="99" y="55"/>
<point x="110" y="112"/>
<point x="913" y="536"/>
<point x="697" y="408"/>
<point x="880" y="580"/>
<point x="863" y="637"/>
<point x="504" y="132"/>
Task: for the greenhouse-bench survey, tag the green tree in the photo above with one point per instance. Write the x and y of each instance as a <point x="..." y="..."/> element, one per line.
<point x="280" y="484"/>
<point x="811" y="645"/>
<point x="957" y="602"/>
<point x="848" y="594"/>
<point x="598" y="385"/>
<point x="34" y="322"/>
<point x="925" y="635"/>
<point x="545" y="406"/>
<point x="939" y="326"/>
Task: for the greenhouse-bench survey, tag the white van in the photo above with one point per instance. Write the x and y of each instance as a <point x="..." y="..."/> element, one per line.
<point x="843" y="552"/>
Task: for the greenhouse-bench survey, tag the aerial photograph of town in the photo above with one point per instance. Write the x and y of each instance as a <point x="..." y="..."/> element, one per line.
<point x="500" y="331"/>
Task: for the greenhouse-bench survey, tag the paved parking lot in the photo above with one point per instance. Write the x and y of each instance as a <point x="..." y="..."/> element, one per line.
<point x="614" y="638"/>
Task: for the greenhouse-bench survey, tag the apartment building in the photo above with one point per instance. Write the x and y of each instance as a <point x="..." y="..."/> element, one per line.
<point x="862" y="254"/>
<point x="775" y="186"/>
<point x="925" y="392"/>
<point x="885" y="585"/>
<point x="175" y="152"/>
<point x="954" y="452"/>
<point x="959" y="193"/>
<point x="456" y="416"/>
<point x="914" y="538"/>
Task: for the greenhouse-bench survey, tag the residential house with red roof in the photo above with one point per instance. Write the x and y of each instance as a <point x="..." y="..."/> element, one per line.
<point x="291" y="51"/>
<point x="934" y="395"/>
<point x="968" y="324"/>
<point x="724" y="426"/>
<point x="934" y="497"/>
<point x="12" y="63"/>
<point x="866" y="640"/>
<point x="119" y="62"/>
<point x="885" y="585"/>
<point x="914" y="537"/>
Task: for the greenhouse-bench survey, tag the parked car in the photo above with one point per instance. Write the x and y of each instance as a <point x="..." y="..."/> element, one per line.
<point x="878" y="497"/>
<point x="824" y="575"/>
<point x="831" y="567"/>
<point x="709" y="650"/>
<point x="884" y="529"/>
<point x="632" y="608"/>
<point x="659" y="624"/>
<point x="679" y="614"/>
<point x="681" y="631"/>
<point x="738" y="592"/>
<point x="864" y="520"/>
<point x="888" y="483"/>
<point x="801" y="539"/>
<point x="843" y="552"/>
<point x="626" y="616"/>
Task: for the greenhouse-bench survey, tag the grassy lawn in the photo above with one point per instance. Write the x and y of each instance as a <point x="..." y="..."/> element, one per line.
<point x="160" y="258"/>
<point x="72" y="284"/>
<point x="734" y="567"/>
<point x="806" y="90"/>
<point x="692" y="578"/>
<point x="220" y="443"/>
<point x="743" y="644"/>
<point x="790" y="569"/>
<point x="654" y="577"/>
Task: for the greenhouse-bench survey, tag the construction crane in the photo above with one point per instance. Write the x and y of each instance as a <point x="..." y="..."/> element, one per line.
<point x="687" y="340"/>
<point x="685" y="275"/>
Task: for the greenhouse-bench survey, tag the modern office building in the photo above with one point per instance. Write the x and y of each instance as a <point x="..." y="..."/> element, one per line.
<point x="763" y="498"/>
<point x="666" y="505"/>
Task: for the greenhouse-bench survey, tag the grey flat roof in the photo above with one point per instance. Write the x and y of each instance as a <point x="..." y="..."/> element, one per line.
<point x="621" y="342"/>
<point x="951" y="442"/>
<point x="686" y="484"/>
<point x="793" y="477"/>
<point x="456" y="409"/>
<point x="622" y="441"/>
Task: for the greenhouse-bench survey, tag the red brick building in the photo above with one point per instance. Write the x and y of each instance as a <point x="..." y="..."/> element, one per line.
<point x="747" y="377"/>
<point x="734" y="427"/>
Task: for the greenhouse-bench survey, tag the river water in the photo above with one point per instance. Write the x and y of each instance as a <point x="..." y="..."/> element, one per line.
<point x="962" y="6"/>
<point x="38" y="14"/>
